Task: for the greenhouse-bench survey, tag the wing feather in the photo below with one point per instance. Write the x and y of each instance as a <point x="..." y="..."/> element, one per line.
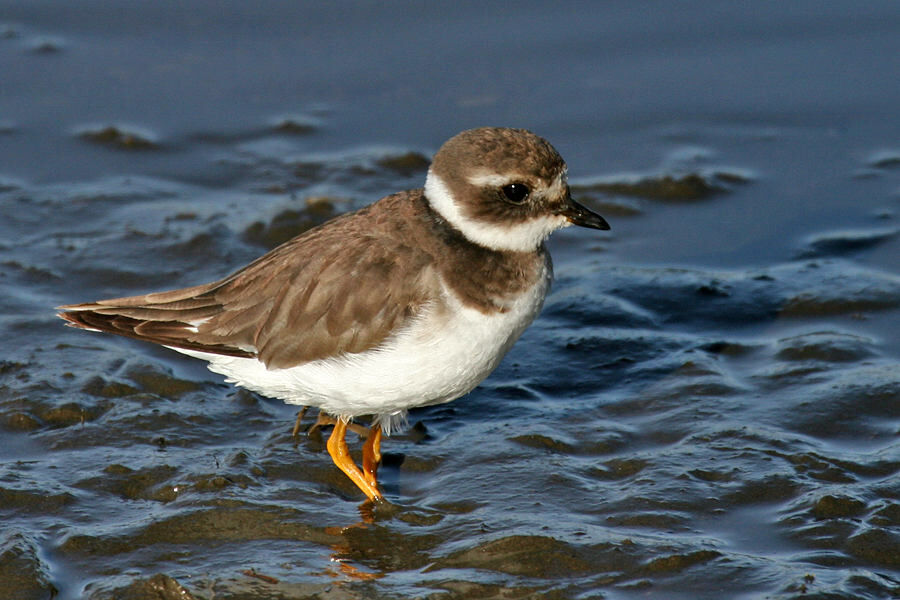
<point x="343" y="287"/>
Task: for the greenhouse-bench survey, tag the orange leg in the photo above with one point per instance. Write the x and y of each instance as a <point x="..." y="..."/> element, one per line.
<point x="372" y="455"/>
<point x="324" y="420"/>
<point x="337" y="448"/>
<point x="299" y="418"/>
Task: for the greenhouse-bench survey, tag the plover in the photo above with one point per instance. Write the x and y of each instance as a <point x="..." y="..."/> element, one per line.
<point x="410" y="301"/>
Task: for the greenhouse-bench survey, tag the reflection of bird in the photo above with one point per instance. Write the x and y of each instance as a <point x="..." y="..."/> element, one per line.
<point x="410" y="301"/>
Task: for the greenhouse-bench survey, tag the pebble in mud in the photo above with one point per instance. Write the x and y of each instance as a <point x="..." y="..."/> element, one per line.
<point x="114" y="136"/>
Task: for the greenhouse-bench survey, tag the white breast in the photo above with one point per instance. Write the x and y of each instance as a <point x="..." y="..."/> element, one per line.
<point x="440" y="356"/>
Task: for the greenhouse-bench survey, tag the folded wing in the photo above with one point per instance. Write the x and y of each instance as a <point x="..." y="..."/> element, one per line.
<point x="335" y="289"/>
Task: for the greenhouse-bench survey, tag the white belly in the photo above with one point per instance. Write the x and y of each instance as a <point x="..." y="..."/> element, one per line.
<point x="442" y="355"/>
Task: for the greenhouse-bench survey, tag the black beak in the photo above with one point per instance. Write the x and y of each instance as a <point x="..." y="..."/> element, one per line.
<point x="583" y="216"/>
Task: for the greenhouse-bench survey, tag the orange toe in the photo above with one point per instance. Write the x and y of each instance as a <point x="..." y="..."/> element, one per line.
<point x="340" y="454"/>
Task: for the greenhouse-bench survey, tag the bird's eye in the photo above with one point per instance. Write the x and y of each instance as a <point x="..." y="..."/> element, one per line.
<point x="515" y="192"/>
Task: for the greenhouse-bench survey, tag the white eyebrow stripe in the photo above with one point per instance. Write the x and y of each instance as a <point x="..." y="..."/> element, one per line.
<point x="556" y="188"/>
<point x="496" y="180"/>
<point x="492" y="179"/>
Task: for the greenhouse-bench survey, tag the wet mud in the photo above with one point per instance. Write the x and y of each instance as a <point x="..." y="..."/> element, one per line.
<point x="708" y="406"/>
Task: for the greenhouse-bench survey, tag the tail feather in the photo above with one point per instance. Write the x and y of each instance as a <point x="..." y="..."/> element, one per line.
<point x="159" y="325"/>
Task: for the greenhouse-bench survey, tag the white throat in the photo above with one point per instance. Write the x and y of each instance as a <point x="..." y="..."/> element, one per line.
<point x="519" y="237"/>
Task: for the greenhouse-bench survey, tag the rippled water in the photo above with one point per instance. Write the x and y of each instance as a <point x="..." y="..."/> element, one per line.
<point x="708" y="406"/>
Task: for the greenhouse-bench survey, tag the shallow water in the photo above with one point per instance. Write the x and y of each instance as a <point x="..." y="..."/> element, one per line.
<point x="708" y="407"/>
